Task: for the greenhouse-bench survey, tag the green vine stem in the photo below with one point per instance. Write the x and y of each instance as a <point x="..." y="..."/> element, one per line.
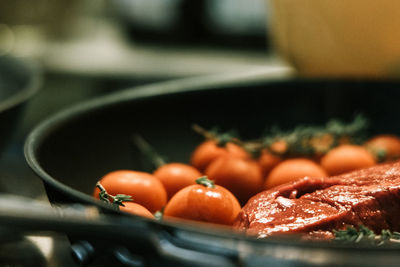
<point x="213" y="134"/>
<point x="312" y="141"/>
<point x="203" y="132"/>
<point x="148" y="151"/>
<point x="116" y="200"/>
<point x="303" y="140"/>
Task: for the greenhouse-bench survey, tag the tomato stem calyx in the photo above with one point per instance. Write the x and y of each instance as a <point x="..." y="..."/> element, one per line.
<point x="379" y="153"/>
<point x="117" y="199"/>
<point x="159" y="215"/>
<point x="205" y="182"/>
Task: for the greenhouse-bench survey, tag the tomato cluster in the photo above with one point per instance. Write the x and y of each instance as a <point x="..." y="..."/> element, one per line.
<point x="343" y="158"/>
<point x="222" y="176"/>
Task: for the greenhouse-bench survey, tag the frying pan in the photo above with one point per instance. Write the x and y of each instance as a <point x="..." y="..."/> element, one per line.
<point x="19" y="81"/>
<point x="71" y="150"/>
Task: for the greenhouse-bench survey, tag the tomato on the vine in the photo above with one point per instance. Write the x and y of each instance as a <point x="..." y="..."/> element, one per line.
<point x="144" y="188"/>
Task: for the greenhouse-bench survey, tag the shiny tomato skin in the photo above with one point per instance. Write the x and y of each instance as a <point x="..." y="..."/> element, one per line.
<point x="240" y="176"/>
<point x="208" y="151"/>
<point x="200" y="203"/>
<point x="144" y="188"/>
<point x="136" y="209"/>
<point x="175" y="176"/>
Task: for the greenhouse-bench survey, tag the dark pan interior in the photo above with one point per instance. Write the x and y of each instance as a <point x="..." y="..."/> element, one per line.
<point x="85" y="147"/>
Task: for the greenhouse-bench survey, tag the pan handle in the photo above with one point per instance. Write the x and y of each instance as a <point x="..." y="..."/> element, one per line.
<point x="165" y="242"/>
<point x="165" y="247"/>
<point x="194" y="252"/>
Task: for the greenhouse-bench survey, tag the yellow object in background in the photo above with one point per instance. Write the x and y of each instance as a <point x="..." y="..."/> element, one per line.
<point x="338" y="38"/>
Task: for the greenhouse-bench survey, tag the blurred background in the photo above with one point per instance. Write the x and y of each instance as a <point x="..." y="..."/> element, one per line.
<point x="87" y="48"/>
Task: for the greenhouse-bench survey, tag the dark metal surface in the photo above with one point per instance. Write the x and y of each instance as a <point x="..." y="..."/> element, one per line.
<point x="73" y="149"/>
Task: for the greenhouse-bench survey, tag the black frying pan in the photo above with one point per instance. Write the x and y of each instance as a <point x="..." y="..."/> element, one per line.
<point x="73" y="149"/>
<point x="19" y="81"/>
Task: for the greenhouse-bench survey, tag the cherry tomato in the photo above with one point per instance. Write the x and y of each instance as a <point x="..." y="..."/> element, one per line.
<point x="279" y="147"/>
<point x="240" y="176"/>
<point x="293" y="169"/>
<point x="175" y="176"/>
<point x="144" y="188"/>
<point x="385" y="147"/>
<point x="204" y="202"/>
<point x="346" y="158"/>
<point x="137" y="209"/>
<point x="268" y="161"/>
<point x="209" y="150"/>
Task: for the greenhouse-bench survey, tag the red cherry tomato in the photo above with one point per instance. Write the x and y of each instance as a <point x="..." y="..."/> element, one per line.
<point x="175" y="176"/>
<point x="144" y="188"/>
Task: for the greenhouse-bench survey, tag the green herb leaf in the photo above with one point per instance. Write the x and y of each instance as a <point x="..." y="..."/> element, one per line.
<point x="316" y="140"/>
<point x="365" y="235"/>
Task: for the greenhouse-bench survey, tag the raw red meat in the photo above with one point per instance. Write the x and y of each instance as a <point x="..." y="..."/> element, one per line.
<point x="316" y="206"/>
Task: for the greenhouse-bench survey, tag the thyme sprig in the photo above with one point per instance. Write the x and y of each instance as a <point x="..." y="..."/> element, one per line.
<point x="215" y="134"/>
<point x="315" y="140"/>
<point x="365" y="235"/>
<point x="116" y="200"/>
<point x="303" y="140"/>
<point x="253" y="147"/>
